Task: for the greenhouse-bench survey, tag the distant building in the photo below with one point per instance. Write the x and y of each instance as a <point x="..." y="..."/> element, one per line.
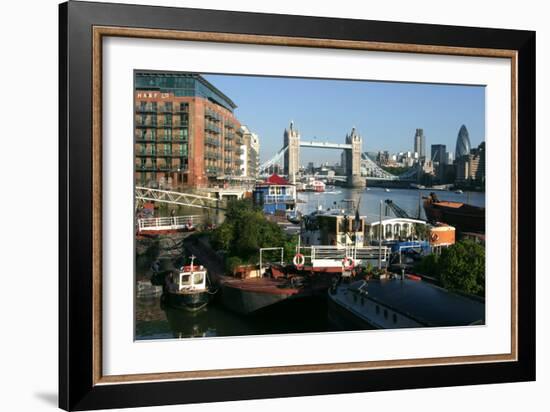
<point x="471" y="167"/>
<point x="439" y="154"/>
<point x="439" y="159"/>
<point x="420" y="143"/>
<point x="462" y="143"/>
<point x="186" y="132"/>
<point x="250" y="149"/>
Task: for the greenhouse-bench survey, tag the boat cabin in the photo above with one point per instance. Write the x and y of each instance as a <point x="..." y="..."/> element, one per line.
<point x="333" y="229"/>
<point x="394" y="229"/>
<point x="275" y="194"/>
<point x="191" y="278"/>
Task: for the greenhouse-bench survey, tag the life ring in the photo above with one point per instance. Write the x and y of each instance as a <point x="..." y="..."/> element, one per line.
<point x="434" y="237"/>
<point x="299" y="260"/>
<point x="348" y="263"/>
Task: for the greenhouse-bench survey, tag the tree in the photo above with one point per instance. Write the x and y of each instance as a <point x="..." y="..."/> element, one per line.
<point x="246" y="230"/>
<point x="429" y="266"/>
<point x="462" y="267"/>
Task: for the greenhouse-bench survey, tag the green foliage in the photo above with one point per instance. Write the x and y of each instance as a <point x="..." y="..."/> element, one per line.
<point x="429" y="266"/>
<point x="460" y="267"/>
<point x="421" y="231"/>
<point x="246" y="230"/>
<point x="232" y="263"/>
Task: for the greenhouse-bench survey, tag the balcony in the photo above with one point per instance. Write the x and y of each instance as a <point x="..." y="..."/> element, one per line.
<point x="165" y="124"/>
<point x="212" y="115"/>
<point x="212" y="156"/>
<point x="146" y="109"/>
<point x="212" y="142"/>
<point x="212" y="171"/>
<point x="181" y="125"/>
<point x="212" y="128"/>
<point x="167" y="109"/>
<point x="182" y="109"/>
<point x="144" y="139"/>
<point x="146" y="153"/>
<point x="145" y="123"/>
<point x="239" y="151"/>
<point x="229" y="136"/>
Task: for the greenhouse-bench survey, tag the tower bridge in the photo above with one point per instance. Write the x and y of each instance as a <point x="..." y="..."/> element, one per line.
<point x="352" y="148"/>
<point x="358" y="166"/>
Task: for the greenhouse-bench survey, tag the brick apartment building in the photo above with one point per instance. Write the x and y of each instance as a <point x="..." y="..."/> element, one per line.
<point x="186" y="133"/>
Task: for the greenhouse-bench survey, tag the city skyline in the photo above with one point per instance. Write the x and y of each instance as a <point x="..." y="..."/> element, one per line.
<point x="268" y="104"/>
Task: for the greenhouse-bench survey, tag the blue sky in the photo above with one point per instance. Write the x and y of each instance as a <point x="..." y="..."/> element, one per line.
<point x="385" y="114"/>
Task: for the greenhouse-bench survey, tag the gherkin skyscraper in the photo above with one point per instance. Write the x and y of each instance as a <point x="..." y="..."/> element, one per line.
<point x="462" y="143"/>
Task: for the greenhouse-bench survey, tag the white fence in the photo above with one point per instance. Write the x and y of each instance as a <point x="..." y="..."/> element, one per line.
<point x="168" y="223"/>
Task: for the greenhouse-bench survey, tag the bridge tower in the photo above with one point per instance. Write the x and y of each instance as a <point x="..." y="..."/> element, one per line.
<point x="353" y="160"/>
<point x="292" y="155"/>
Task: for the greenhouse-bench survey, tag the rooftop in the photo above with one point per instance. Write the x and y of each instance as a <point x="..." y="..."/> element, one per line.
<point x="182" y="84"/>
<point x="428" y="304"/>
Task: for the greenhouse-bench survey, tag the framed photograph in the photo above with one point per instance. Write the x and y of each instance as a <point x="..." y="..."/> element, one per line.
<point x="256" y="205"/>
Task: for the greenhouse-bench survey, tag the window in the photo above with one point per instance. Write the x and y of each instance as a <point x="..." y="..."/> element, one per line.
<point x="388" y="232"/>
<point x="394" y="317"/>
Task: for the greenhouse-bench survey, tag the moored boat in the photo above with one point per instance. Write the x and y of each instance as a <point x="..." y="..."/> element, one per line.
<point x="401" y="303"/>
<point x="188" y="288"/>
<point x="463" y="216"/>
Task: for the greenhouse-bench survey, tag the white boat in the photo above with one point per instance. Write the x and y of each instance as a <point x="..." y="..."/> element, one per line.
<point x="187" y="289"/>
<point x="386" y="190"/>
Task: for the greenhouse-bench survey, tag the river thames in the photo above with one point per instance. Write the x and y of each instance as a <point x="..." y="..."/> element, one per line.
<point x="153" y="321"/>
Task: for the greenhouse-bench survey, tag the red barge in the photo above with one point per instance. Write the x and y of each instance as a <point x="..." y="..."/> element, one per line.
<point x="464" y="217"/>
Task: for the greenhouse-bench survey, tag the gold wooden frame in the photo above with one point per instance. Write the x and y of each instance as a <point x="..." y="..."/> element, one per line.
<point x="102" y="31"/>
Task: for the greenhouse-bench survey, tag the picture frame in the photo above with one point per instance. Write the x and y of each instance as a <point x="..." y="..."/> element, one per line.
<point x="82" y="29"/>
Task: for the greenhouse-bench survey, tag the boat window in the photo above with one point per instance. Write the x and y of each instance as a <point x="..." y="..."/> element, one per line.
<point x="388" y="232"/>
<point x="185" y="280"/>
<point x="198" y="278"/>
<point x="405" y="230"/>
<point x="394" y="318"/>
<point x="396" y="230"/>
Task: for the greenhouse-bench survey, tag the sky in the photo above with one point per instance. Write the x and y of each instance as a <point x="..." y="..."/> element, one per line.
<point x="385" y="114"/>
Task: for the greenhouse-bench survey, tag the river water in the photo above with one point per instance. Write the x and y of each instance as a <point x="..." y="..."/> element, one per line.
<point x="153" y="321"/>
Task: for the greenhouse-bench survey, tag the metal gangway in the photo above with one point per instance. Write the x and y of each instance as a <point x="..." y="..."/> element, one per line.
<point x="158" y="224"/>
<point x="178" y="198"/>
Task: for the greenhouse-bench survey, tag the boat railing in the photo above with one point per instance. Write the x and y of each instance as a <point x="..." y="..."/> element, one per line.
<point x="341" y="252"/>
<point x="278" y="198"/>
<point x="167" y="223"/>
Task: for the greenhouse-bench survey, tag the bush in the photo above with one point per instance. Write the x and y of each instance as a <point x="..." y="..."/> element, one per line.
<point x="461" y="267"/>
<point x="232" y="263"/>
<point x="428" y="266"/>
<point x="246" y="230"/>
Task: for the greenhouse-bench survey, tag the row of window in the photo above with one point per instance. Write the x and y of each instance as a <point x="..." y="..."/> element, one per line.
<point x="377" y="309"/>
<point x="167" y="107"/>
